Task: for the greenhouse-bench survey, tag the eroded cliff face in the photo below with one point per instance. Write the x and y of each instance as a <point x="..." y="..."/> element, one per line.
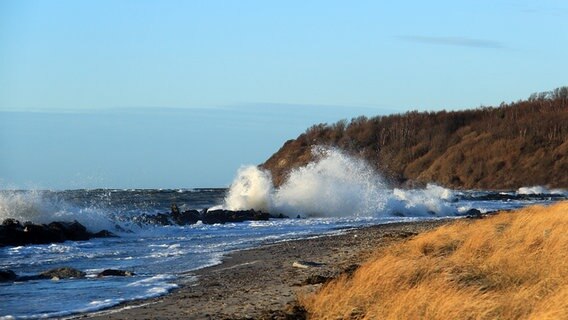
<point x="518" y="144"/>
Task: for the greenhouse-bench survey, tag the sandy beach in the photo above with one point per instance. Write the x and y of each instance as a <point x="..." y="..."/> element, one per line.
<point x="264" y="282"/>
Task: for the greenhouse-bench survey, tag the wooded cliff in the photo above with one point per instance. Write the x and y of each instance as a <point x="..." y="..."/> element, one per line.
<point x="517" y="144"/>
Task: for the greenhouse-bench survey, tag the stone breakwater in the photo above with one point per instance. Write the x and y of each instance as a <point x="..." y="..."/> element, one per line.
<point x="60" y="273"/>
<point x="206" y="216"/>
<point x="14" y="233"/>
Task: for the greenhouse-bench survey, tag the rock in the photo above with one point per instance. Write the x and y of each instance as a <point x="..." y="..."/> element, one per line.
<point x="174" y="209"/>
<point x="157" y="219"/>
<point x="306" y="264"/>
<point x="54" y="274"/>
<point x="473" y="214"/>
<point x="226" y="216"/>
<point x="116" y="273"/>
<point x="71" y="230"/>
<point x="186" y="217"/>
<point x="11" y="223"/>
<point x="63" y="273"/>
<point x="12" y="233"/>
<point x="104" y="234"/>
<point x="176" y="217"/>
<point x="7" y="276"/>
<point x="40" y="234"/>
<point x="316" y="279"/>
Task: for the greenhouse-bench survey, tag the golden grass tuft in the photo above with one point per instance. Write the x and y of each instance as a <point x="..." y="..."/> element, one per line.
<point x="513" y="265"/>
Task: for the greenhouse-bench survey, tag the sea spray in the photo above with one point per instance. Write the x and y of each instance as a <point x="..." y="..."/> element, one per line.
<point x="335" y="184"/>
<point x="251" y="189"/>
<point x="541" y="190"/>
<point x="433" y="200"/>
<point x="44" y="207"/>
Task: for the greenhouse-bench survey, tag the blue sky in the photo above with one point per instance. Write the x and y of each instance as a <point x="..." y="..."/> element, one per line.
<point x="181" y="93"/>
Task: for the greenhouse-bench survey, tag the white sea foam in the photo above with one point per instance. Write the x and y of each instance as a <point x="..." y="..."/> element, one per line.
<point x="535" y="190"/>
<point x="38" y="207"/>
<point x="252" y="188"/>
<point x="334" y="185"/>
<point x="434" y="200"/>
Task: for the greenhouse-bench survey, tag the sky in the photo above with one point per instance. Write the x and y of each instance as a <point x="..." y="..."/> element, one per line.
<point x="175" y="94"/>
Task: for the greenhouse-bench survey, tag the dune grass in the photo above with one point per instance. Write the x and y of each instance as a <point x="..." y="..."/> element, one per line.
<point x="513" y="265"/>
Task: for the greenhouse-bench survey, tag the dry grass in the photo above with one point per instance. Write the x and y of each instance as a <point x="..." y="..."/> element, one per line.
<point x="509" y="266"/>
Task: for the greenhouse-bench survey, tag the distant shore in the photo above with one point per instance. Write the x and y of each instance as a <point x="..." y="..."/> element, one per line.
<point x="264" y="282"/>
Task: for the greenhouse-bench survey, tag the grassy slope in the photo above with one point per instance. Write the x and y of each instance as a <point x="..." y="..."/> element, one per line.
<point x="508" y="266"/>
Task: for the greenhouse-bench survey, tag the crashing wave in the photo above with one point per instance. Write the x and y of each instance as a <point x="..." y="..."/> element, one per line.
<point x="334" y="185"/>
<point x="44" y="207"/>
<point x="540" y="190"/>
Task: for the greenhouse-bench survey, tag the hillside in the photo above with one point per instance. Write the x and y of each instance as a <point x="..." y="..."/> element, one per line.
<point x="517" y="144"/>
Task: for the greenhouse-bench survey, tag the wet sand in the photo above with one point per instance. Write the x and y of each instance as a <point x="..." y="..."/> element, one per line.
<point x="264" y="282"/>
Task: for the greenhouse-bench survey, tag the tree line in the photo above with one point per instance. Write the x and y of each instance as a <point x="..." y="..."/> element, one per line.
<point x="515" y="144"/>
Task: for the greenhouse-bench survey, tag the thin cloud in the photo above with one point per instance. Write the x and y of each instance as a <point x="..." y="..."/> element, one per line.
<point x="454" y="41"/>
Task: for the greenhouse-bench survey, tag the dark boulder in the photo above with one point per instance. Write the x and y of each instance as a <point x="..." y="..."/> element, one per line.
<point x="104" y="234"/>
<point x="71" y="230"/>
<point x="186" y="217"/>
<point x="115" y="273"/>
<point x="474" y="214"/>
<point x="7" y="276"/>
<point x="63" y="273"/>
<point x="40" y="234"/>
<point x="227" y="216"/>
<point x="54" y="274"/>
<point x="11" y="223"/>
<point x="161" y="219"/>
<point x="13" y="233"/>
<point x="316" y="279"/>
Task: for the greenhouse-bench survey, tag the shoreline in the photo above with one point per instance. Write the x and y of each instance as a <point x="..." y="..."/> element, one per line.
<point x="262" y="282"/>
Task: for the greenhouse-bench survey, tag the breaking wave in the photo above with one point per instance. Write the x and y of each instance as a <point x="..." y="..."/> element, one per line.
<point x="252" y="188"/>
<point x="540" y="190"/>
<point x="433" y="200"/>
<point x="45" y="207"/>
<point x="334" y="185"/>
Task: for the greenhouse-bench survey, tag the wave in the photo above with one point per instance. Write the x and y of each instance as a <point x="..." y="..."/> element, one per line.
<point x="251" y="189"/>
<point x="45" y="207"/>
<point x="540" y="190"/>
<point x="433" y="200"/>
<point x="335" y="184"/>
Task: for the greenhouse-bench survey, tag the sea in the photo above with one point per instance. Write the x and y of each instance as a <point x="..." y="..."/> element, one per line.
<point x="332" y="195"/>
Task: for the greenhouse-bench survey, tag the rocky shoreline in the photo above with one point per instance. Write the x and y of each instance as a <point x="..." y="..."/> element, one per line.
<point x="14" y="233"/>
<point x="264" y="282"/>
